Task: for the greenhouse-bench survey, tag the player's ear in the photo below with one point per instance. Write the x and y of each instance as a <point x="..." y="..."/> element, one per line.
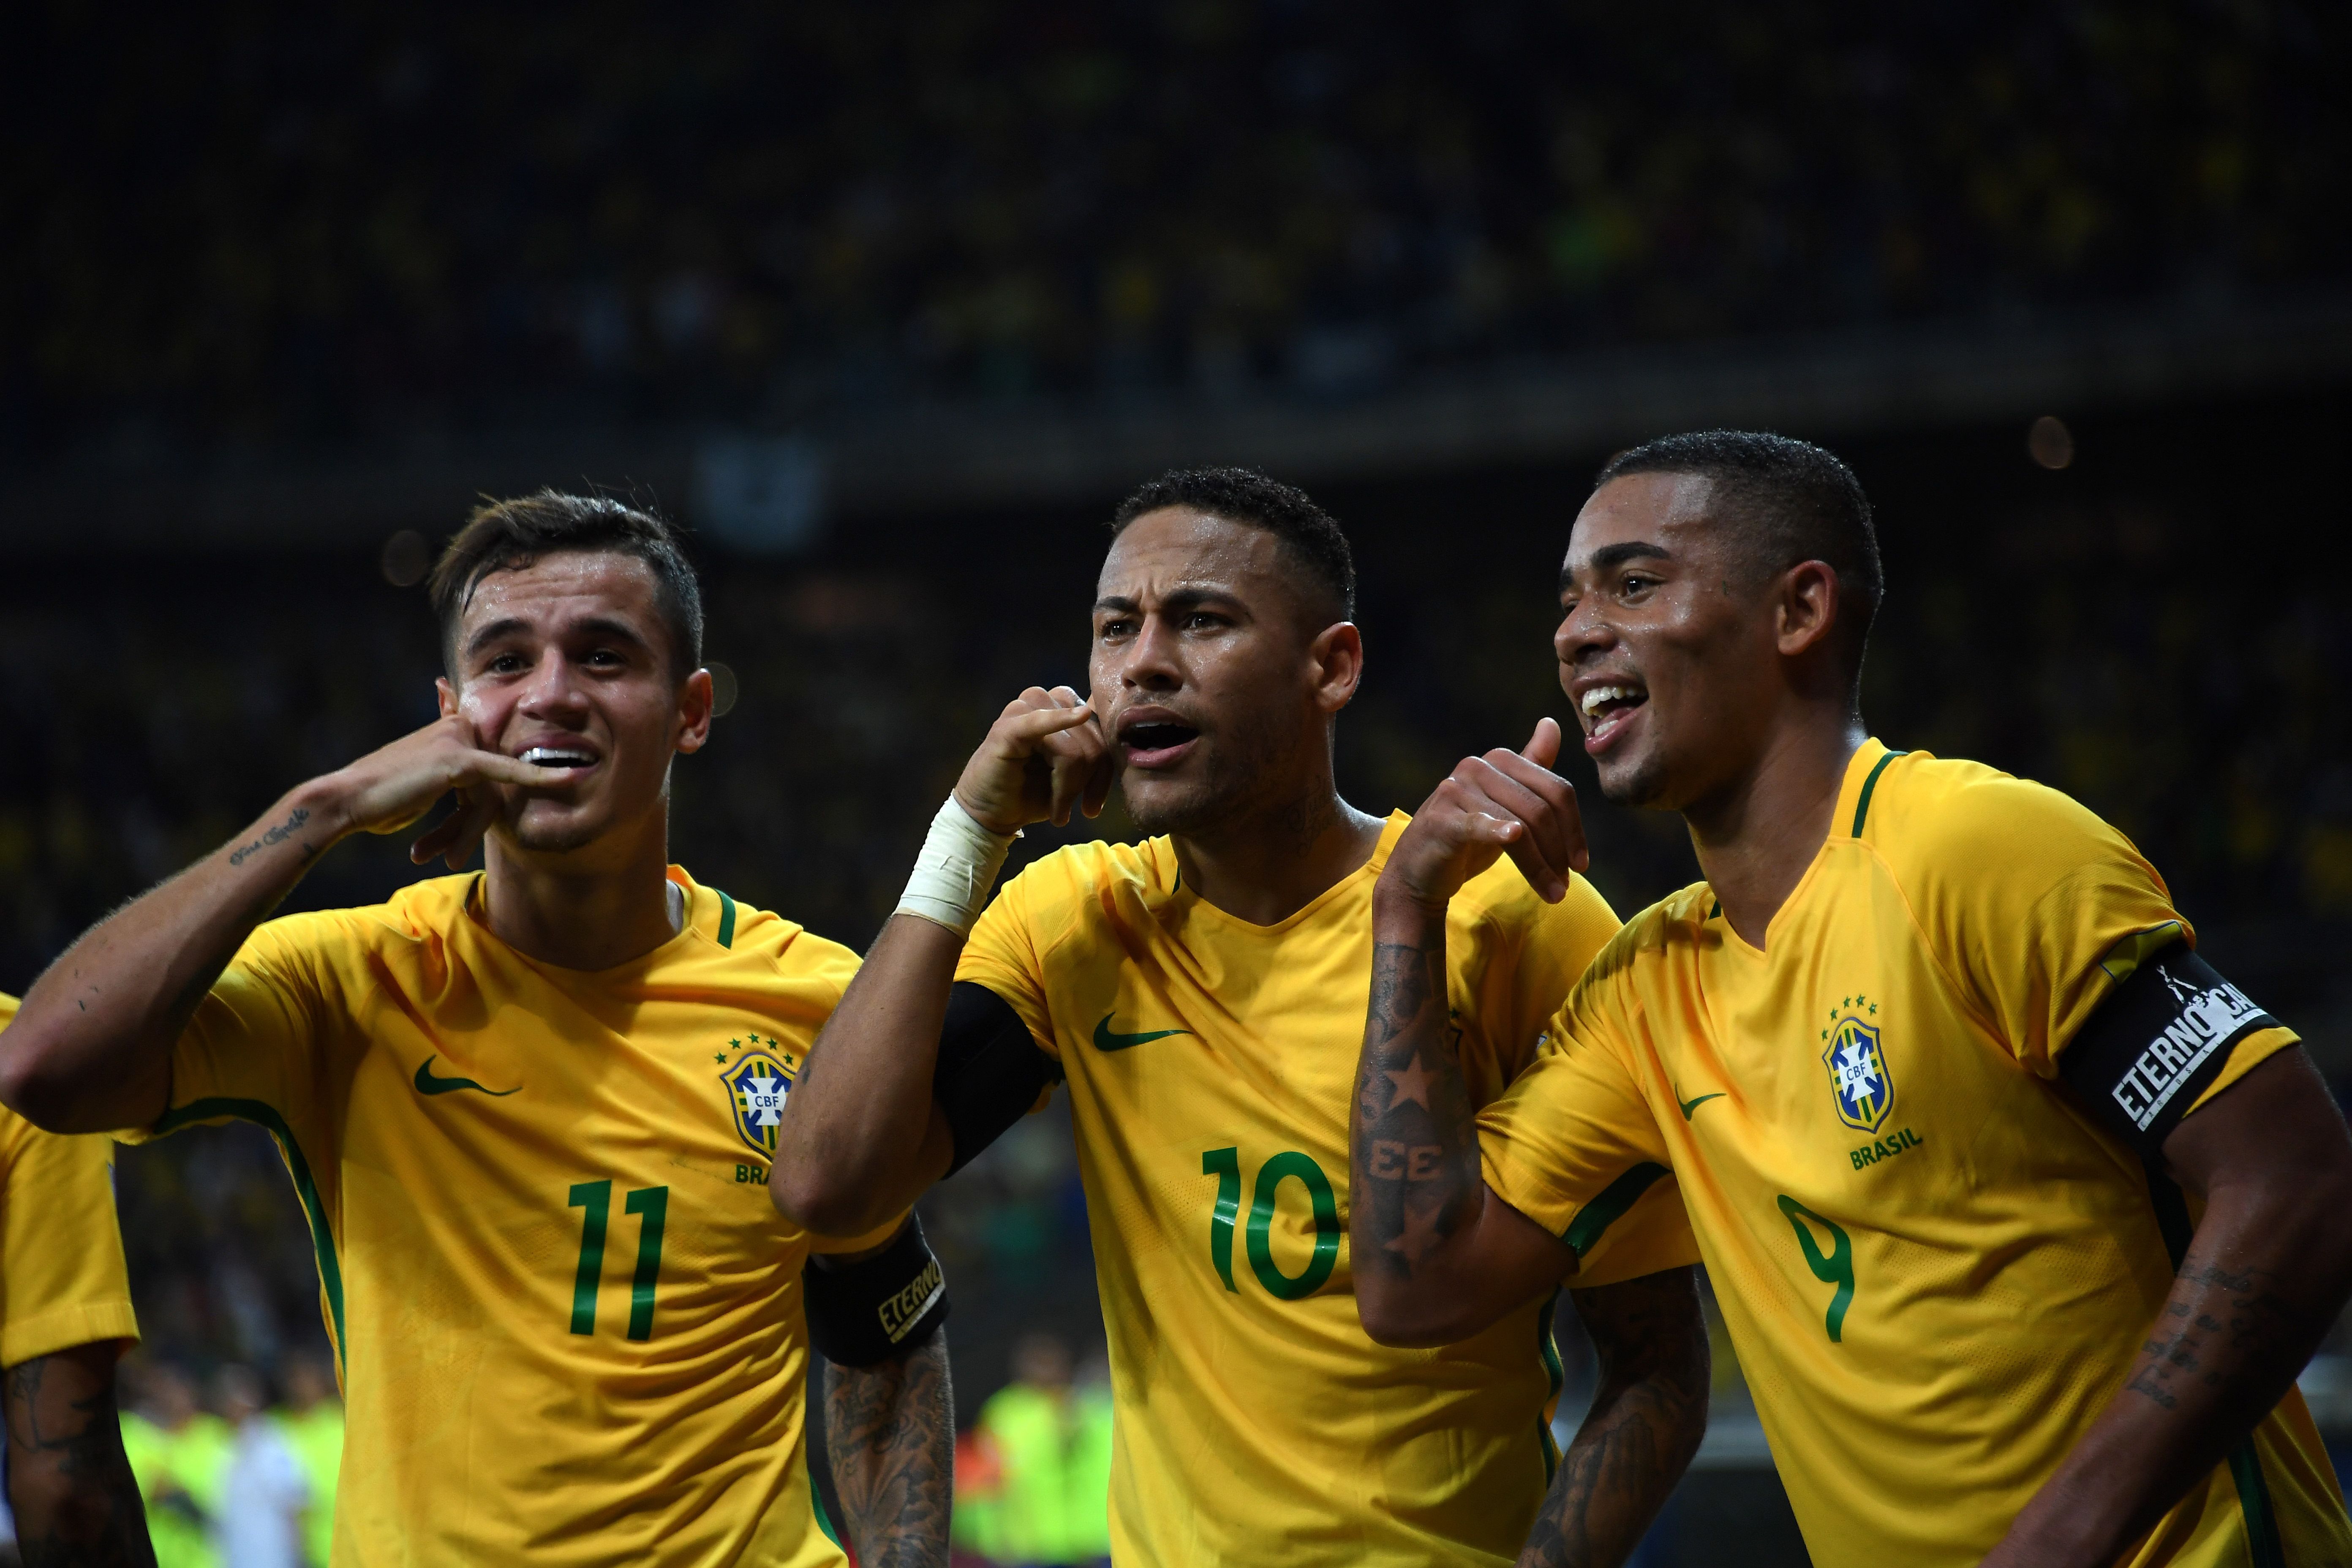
<point x="448" y="695"/>
<point x="695" y="699"/>
<point x="1807" y="608"/>
<point x="1335" y="661"/>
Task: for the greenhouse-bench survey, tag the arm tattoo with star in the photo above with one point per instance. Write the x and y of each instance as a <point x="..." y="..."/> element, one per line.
<point x="1647" y="1418"/>
<point x="889" y="1431"/>
<point x="75" y="1502"/>
<point x="1415" y="1149"/>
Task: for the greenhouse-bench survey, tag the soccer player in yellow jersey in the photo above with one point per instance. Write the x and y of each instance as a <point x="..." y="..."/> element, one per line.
<point x="2023" y="1220"/>
<point x="529" y="1111"/>
<point x="1199" y="994"/>
<point x="65" y="1318"/>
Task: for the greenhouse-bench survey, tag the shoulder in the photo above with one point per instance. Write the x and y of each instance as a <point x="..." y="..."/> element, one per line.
<point x="1499" y="904"/>
<point x="1061" y="887"/>
<point x="746" y="933"/>
<point x="1650" y="943"/>
<point x="422" y="911"/>
<point x="1937" y="821"/>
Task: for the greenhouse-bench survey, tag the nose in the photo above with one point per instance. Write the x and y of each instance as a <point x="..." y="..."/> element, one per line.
<point x="554" y="688"/>
<point x="1584" y="632"/>
<point x="1151" y="662"/>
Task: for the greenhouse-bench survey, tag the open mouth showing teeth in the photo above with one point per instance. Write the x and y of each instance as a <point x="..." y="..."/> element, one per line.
<point x="554" y="757"/>
<point x="1603" y="706"/>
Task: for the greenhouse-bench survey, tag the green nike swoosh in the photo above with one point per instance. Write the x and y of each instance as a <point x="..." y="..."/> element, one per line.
<point x="427" y="1084"/>
<point x="1690" y="1105"/>
<point x="1105" y="1039"/>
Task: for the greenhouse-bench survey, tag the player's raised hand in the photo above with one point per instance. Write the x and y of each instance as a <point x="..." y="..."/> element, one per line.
<point x="394" y="785"/>
<point x="1044" y="755"/>
<point x="1503" y="802"/>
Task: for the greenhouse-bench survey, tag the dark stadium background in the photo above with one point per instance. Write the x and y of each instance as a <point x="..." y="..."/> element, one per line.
<point x="892" y="301"/>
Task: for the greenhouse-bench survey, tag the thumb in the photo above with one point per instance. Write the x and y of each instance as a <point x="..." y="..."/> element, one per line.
<point x="1543" y="747"/>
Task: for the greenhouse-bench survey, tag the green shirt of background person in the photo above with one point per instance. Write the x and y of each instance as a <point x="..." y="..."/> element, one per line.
<point x="312" y="1421"/>
<point x="1046" y="1514"/>
<point x="180" y="1456"/>
<point x="1089" y="1466"/>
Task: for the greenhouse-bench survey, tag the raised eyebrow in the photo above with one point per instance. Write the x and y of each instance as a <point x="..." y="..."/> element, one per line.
<point x="493" y="632"/>
<point x="1610" y="556"/>
<point x="605" y="626"/>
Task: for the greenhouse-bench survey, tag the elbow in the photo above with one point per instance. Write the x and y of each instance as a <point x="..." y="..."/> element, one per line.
<point x="1395" y="1313"/>
<point x="32" y="1083"/>
<point x="818" y="1200"/>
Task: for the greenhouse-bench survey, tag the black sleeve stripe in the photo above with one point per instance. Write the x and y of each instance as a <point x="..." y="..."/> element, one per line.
<point x="991" y="1069"/>
<point x="2154" y="1044"/>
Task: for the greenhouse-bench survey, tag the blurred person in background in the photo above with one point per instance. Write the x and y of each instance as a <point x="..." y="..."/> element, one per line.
<point x="1031" y="1426"/>
<point x="263" y="1492"/>
<point x="180" y="1453"/>
<point x="499" y="1090"/>
<point x="1202" y="995"/>
<point x="65" y="1320"/>
<point x="2024" y="1219"/>
<point x="312" y="1421"/>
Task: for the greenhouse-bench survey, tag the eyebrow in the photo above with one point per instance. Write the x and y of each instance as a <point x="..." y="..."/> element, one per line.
<point x="602" y="627"/>
<point x="1609" y="556"/>
<point x="1183" y="598"/>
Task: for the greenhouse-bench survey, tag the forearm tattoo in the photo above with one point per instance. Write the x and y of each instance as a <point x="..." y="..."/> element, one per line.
<point x="277" y="833"/>
<point x="1647" y="1418"/>
<point x="2220" y="1328"/>
<point x="1415" y="1153"/>
<point x="76" y="1501"/>
<point x="889" y="1430"/>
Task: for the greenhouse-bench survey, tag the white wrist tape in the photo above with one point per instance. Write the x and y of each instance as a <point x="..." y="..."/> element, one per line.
<point x="957" y="867"/>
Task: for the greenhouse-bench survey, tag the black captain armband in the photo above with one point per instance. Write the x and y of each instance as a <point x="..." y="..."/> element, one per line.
<point x="879" y="1308"/>
<point x="991" y="1069"/>
<point x="2163" y="1034"/>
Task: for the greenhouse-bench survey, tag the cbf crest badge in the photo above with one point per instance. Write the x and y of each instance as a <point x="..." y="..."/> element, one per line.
<point x="1859" y="1080"/>
<point x="757" y="1082"/>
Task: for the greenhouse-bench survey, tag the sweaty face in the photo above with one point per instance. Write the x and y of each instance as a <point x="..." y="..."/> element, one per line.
<point x="1667" y="642"/>
<point x="565" y="663"/>
<point x="1201" y="669"/>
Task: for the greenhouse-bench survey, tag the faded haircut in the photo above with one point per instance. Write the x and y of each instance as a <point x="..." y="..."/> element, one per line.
<point x="1312" y="541"/>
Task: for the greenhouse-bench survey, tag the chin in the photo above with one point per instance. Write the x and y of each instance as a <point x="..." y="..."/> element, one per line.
<point x="556" y="833"/>
<point x="1167" y="806"/>
<point x="1637" y="782"/>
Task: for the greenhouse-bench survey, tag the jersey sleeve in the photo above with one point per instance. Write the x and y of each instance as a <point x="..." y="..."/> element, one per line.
<point x="1003" y="953"/>
<point x="1517" y="960"/>
<point x="253" y="1042"/>
<point x="62" y="1281"/>
<point x="2066" y="939"/>
<point x="1572" y="1145"/>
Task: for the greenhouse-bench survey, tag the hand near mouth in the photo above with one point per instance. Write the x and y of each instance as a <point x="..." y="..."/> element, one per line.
<point x="1503" y="802"/>
<point x="1044" y="757"/>
<point x="394" y="785"/>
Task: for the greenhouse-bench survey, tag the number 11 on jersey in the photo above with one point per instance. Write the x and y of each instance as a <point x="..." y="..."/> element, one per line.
<point x="651" y="1206"/>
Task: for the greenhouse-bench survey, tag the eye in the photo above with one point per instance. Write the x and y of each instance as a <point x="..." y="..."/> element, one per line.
<point x="1202" y="621"/>
<point x="1116" y="627"/>
<point x="506" y="663"/>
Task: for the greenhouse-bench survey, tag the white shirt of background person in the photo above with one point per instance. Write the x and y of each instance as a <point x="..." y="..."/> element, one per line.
<point x="259" y="1524"/>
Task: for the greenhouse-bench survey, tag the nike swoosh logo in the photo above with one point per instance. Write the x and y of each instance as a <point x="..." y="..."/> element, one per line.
<point x="1690" y="1105"/>
<point x="1107" y="1040"/>
<point x="427" y="1084"/>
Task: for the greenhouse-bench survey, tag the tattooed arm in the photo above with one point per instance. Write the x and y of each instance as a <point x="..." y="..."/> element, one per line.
<point x="2265" y="1274"/>
<point x="75" y="1501"/>
<point x="889" y="1431"/>
<point x="1645" y="1423"/>
<point x="91" y="1048"/>
<point x="1437" y="1255"/>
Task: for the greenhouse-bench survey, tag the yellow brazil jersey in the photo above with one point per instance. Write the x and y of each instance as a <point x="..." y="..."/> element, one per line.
<point x="1211" y="1066"/>
<point x="1936" y="1268"/>
<point x="569" y="1316"/>
<point x="62" y="1281"/>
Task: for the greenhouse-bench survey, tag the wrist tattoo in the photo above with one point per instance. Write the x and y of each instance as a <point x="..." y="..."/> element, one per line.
<point x="273" y="835"/>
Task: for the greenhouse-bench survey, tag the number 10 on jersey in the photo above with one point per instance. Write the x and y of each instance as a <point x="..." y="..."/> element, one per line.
<point x="1225" y="1164"/>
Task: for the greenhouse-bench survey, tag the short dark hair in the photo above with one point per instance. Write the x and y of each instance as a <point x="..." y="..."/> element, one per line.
<point x="502" y="535"/>
<point x="1310" y="535"/>
<point x="1787" y="500"/>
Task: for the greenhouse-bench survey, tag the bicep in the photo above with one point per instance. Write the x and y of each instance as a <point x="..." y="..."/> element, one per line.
<point x="991" y="1072"/>
<point x="2277" y="1123"/>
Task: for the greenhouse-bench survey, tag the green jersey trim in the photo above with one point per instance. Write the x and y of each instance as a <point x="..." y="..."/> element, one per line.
<point x="726" y="920"/>
<point x="1556" y="1379"/>
<point x="322" y="1240"/>
<point x="1610" y="1206"/>
<point x="1862" y="807"/>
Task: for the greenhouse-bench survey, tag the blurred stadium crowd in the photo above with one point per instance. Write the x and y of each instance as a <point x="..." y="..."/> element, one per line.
<point x="273" y="223"/>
